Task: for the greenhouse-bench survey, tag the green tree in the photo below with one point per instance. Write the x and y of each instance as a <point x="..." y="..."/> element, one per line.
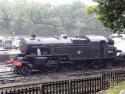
<point x="26" y="18"/>
<point x="111" y="13"/>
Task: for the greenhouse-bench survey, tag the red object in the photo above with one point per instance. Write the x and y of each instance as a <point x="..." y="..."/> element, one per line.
<point x="18" y="64"/>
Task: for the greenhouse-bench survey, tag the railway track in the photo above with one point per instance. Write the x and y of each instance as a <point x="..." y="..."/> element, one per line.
<point x="7" y="76"/>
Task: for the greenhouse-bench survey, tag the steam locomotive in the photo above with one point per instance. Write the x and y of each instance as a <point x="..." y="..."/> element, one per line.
<point x="62" y="52"/>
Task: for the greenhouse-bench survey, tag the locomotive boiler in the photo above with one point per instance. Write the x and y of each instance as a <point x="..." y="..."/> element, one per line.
<point x="57" y="53"/>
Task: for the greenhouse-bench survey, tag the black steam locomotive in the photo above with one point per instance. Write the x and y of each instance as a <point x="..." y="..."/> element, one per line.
<point x="57" y="53"/>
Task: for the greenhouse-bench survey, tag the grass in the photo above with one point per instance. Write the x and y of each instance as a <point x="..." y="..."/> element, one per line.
<point x="117" y="89"/>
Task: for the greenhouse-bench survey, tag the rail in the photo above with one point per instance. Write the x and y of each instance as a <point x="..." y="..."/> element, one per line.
<point x="90" y="85"/>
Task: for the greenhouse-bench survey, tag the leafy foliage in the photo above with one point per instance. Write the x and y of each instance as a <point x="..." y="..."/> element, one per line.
<point x="25" y="18"/>
<point x="111" y="13"/>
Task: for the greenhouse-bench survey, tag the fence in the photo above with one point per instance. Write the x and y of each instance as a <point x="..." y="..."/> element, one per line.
<point x="89" y="85"/>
